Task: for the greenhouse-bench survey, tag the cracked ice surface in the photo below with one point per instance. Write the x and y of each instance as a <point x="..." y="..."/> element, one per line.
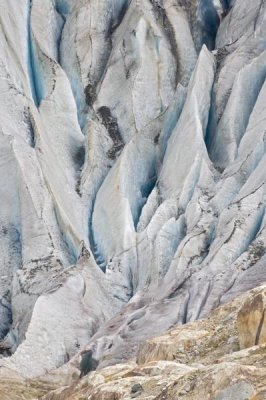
<point x="132" y="163"/>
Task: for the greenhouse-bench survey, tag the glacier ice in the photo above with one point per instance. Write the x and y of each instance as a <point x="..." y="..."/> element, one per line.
<point x="132" y="185"/>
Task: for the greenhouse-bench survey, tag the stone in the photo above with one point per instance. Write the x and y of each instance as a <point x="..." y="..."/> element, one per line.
<point x="210" y="368"/>
<point x="136" y="388"/>
<point x="251" y="323"/>
<point x="237" y="391"/>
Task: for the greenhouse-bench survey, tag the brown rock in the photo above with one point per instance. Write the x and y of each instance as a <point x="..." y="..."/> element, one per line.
<point x="251" y="324"/>
<point x="197" y="361"/>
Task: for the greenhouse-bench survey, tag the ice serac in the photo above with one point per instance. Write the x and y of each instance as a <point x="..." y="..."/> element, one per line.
<point x="234" y="121"/>
<point x="132" y="159"/>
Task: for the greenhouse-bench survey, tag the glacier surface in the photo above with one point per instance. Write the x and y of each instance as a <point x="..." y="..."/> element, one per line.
<point x="132" y="184"/>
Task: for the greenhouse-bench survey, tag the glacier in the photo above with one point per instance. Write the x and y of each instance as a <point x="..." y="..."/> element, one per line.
<point x="132" y="180"/>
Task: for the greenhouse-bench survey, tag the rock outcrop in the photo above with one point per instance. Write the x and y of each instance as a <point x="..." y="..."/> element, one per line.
<point x="251" y="322"/>
<point x="201" y="360"/>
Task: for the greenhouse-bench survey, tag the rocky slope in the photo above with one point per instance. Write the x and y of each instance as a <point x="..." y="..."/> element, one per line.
<point x="132" y="179"/>
<point x="221" y="357"/>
